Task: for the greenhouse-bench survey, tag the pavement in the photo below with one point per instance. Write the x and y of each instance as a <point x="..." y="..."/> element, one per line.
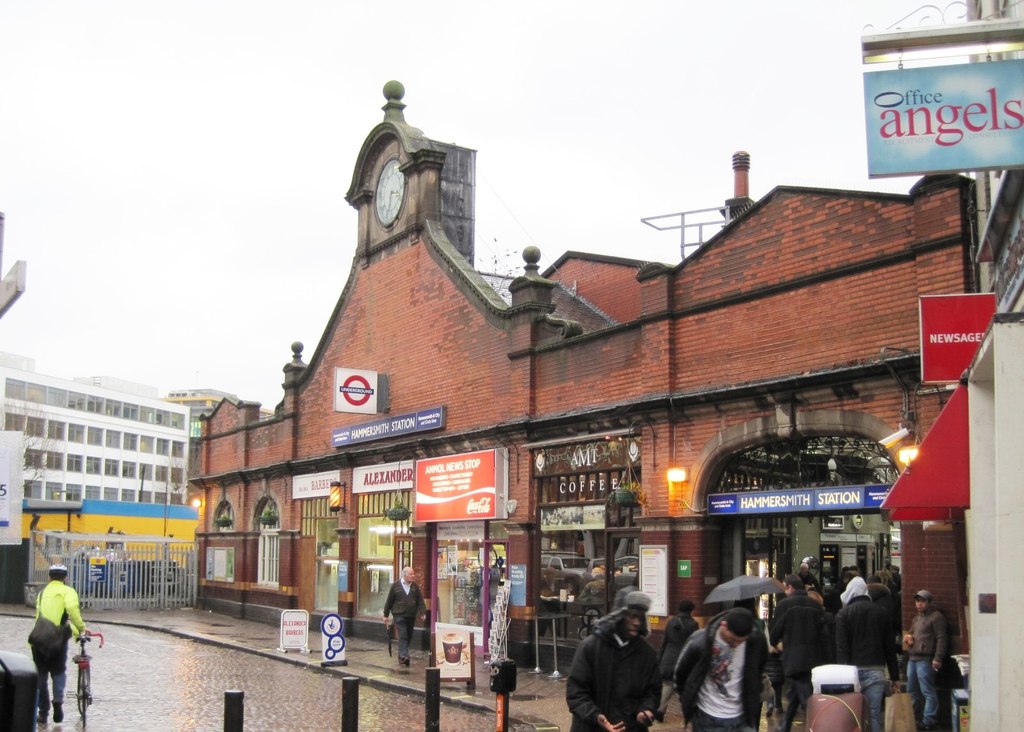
<point x="537" y="704"/>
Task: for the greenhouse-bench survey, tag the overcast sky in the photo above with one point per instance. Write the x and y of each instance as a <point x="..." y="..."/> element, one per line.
<point x="174" y="172"/>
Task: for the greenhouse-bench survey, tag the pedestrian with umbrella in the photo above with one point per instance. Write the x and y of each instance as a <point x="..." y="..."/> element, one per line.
<point x="743" y="587"/>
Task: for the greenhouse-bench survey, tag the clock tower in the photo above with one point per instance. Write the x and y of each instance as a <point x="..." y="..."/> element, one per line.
<point x="403" y="181"/>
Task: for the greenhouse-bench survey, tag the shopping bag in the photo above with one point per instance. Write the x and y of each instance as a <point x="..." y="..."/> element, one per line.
<point x="899" y="713"/>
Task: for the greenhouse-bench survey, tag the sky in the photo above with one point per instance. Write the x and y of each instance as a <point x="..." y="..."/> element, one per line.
<point x="174" y="173"/>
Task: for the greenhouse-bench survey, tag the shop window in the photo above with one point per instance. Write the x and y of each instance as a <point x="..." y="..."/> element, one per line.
<point x="268" y="519"/>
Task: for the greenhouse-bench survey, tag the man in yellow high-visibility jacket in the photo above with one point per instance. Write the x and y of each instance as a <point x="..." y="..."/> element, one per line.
<point x="58" y="603"/>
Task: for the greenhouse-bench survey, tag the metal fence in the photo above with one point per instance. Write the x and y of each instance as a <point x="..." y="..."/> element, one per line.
<point x="117" y="571"/>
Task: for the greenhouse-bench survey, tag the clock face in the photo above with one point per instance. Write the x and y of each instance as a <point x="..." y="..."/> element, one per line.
<point x="390" y="191"/>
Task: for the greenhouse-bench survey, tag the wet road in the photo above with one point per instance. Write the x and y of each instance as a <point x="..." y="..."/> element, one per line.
<point x="145" y="680"/>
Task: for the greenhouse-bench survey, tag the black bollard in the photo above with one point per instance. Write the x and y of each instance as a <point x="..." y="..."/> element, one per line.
<point x="234" y="710"/>
<point x="433" y="705"/>
<point x="350" y="704"/>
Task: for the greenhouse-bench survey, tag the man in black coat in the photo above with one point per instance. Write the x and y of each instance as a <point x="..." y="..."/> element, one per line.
<point x="677" y="632"/>
<point x="405" y="602"/>
<point x="864" y="639"/>
<point x="614" y="684"/>
<point x="718" y="674"/>
<point x="800" y="628"/>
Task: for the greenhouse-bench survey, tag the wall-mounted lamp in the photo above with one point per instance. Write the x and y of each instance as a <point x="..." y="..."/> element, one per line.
<point x="338" y="500"/>
<point x="678" y="495"/>
<point x="901" y="434"/>
<point x="197" y="503"/>
<point x="907" y="454"/>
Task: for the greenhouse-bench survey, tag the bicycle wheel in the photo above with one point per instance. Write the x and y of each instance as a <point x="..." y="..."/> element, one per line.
<point x="84" y="692"/>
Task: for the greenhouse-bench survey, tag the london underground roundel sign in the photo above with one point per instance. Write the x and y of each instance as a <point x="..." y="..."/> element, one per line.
<point x="355" y="391"/>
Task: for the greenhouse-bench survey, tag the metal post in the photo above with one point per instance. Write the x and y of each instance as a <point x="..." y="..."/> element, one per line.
<point x="554" y="644"/>
<point x="432" y="722"/>
<point x="536" y="646"/>
<point x="234" y="710"/>
<point x="501" y="709"/>
<point x="350" y="704"/>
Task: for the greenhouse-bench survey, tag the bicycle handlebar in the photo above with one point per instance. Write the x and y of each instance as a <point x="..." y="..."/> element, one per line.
<point x="89" y="635"/>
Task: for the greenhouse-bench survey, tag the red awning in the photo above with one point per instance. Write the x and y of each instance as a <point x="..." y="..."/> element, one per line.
<point x="937" y="485"/>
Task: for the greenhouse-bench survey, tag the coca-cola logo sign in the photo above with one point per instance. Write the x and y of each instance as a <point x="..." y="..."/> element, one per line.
<point x="461" y="487"/>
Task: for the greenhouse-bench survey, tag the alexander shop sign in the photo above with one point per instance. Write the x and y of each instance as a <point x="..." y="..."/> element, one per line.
<point x="464" y="487"/>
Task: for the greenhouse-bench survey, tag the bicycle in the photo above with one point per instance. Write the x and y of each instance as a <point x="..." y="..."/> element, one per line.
<point x="84" y="693"/>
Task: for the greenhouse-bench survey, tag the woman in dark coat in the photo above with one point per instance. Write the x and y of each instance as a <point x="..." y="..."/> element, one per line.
<point x="677" y="632"/>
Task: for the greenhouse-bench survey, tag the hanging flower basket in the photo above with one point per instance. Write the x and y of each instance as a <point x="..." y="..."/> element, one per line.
<point x="224" y="522"/>
<point x="398" y="512"/>
<point x="625" y="497"/>
<point x="269" y="518"/>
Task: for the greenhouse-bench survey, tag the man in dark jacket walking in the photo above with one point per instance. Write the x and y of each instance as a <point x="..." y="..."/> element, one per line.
<point x="800" y="628"/>
<point x="718" y="674"/>
<point x="678" y="631"/>
<point x="614" y="684"/>
<point x="864" y="639"/>
<point x="405" y="602"/>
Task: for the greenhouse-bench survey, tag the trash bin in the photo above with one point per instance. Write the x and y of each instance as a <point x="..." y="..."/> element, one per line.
<point x="18" y="680"/>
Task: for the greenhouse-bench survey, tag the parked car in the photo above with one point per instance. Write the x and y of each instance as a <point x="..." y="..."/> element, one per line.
<point x="563" y="571"/>
<point x="626" y="570"/>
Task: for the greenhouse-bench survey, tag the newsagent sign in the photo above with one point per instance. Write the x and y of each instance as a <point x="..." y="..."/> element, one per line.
<point x="952" y="328"/>
<point x="464" y="487"/>
<point x="945" y="119"/>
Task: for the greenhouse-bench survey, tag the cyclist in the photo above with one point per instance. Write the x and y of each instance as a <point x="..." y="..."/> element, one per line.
<point x="57" y="603"/>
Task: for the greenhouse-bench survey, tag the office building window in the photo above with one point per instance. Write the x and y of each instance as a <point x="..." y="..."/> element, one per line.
<point x="130" y="441"/>
<point x="145" y="496"/>
<point x="55" y="429"/>
<point x="54" y="460"/>
<point x="111" y="467"/>
<point x="33" y="489"/>
<point x="177" y="476"/>
<point x="113" y="408"/>
<point x="145" y="443"/>
<point x="127" y="469"/>
<point x="76" y="433"/>
<point x="145" y="471"/>
<point x="177" y="449"/>
<point x="113" y="439"/>
<point x="93" y="404"/>
<point x="93" y="465"/>
<point x="128" y="495"/>
<point x="109" y="494"/>
<point x="35" y="426"/>
<point x="161" y="473"/>
<point x="73" y="492"/>
<point x="95" y="435"/>
<point x="54" y="491"/>
<point x="14" y="422"/>
<point x="74" y="464"/>
<point x="56" y="397"/>
<point x="92" y="492"/>
<point x="14" y="389"/>
<point x="163" y="446"/>
<point x="34" y="458"/>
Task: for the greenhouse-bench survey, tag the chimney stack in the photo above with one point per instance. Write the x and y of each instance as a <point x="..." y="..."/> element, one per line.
<point x="740" y="201"/>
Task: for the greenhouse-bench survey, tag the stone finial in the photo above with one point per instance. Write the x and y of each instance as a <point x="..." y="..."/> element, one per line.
<point x="531" y="255"/>
<point x="394" y="92"/>
<point x="294" y="367"/>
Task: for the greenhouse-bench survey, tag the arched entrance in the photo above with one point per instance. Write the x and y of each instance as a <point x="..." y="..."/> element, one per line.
<point x="785" y="496"/>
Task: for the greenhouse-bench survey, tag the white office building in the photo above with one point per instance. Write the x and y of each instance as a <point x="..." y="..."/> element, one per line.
<point x="95" y="438"/>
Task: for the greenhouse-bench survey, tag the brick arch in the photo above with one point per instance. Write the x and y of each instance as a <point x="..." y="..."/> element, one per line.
<point x="761" y="430"/>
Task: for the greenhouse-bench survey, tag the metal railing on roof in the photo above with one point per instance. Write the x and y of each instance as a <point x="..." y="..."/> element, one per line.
<point x="692" y="226"/>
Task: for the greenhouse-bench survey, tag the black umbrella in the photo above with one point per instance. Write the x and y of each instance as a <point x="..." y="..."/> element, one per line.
<point x="387" y="630"/>
<point x="744" y="586"/>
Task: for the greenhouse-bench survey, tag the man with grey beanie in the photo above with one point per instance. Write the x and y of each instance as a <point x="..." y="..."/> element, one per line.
<point x="614" y="684"/>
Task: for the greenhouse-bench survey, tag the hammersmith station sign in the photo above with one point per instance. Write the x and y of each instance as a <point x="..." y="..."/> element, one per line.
<point x="802" y="500"/>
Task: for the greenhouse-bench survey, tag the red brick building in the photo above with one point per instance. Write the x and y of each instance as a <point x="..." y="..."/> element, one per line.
<point x="767" y="365"/>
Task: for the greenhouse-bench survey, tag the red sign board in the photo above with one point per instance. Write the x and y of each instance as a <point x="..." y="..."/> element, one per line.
<point x="461" y="487"/>
<point x="952" y="327"/>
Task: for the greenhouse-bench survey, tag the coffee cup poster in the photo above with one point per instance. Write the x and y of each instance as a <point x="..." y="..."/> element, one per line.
<point x="453" y="652"/>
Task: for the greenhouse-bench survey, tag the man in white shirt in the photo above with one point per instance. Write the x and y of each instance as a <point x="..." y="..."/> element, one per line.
<point x="719" y="674"/>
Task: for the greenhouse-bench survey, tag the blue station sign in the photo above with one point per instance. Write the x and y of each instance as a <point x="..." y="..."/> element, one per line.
<point x="802" y="500"/>
<point x="424" y="420"/>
